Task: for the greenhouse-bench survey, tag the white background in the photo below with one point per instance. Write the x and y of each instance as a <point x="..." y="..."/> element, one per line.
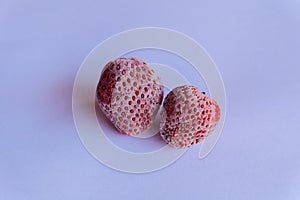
<point x="256" y="46"/>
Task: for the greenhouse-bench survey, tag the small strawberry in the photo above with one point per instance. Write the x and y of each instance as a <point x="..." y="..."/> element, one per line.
<point x="129" y="93"/>
<point x="188" y="116"/>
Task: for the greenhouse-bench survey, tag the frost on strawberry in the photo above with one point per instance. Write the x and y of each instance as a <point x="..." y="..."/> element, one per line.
<point x="129" y="93"/>
<point x="188" y="116"/>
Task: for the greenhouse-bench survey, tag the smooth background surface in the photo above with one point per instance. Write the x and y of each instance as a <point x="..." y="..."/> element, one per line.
<point x="256" y="46"/>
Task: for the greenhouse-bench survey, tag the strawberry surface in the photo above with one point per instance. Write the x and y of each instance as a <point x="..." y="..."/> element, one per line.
<point x="188" y="116"/>
<point x="129" y="93"/>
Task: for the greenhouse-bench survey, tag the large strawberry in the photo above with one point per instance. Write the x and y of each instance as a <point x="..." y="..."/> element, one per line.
<point x="129" y="93"/>
<point x="188" y="116"/>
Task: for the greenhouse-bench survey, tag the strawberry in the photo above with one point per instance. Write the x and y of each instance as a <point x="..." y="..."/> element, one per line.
<point x="188" y="116"/>
<point x="129" y="93"/>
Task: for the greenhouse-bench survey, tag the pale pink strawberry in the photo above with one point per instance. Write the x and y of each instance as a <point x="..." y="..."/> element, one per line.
<point x="129" y="93"/>
<point x="188" y="116"/>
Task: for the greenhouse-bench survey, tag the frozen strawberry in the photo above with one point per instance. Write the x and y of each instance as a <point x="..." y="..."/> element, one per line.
<point x="188" y="116"/>
<point x="129" y="93"/>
